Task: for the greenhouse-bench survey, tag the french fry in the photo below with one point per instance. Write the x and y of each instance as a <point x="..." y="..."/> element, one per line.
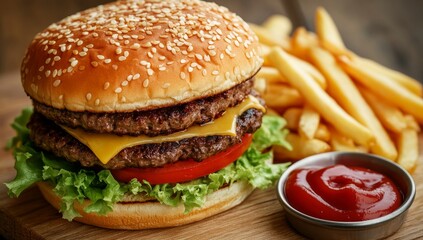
<point x="267" y="37"/>
<point x="390" y="117"/>
<point x="339" y="142"/>
<point x="408" y="147"/>
<point x="280" y="97"/>
<point x="279" y="25"/>
<point x="260" y="84"/>
<point x="319" y="99"/>
<point x="309" y="122"/>
<point x="301" y="42"/>
<point x="411" y="122"/>
<point x="411" y="84"/>
<point x="301" y="148"/>
<point x="347" y="95"/>
<point x="328" y="33"/>
<point x="310" y="69"/>
<point x="264" y="52"/>
<point x="323" y="133"/>
<point x="271" y="74"/>
<point x="292" y="117"/>
<point x="388" y="90"/>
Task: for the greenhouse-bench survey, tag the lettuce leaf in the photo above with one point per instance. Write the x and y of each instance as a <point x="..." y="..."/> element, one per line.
<point x="72" y="183"/>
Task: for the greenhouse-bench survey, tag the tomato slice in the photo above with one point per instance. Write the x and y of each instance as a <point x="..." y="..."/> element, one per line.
<point x="186" y="170"/>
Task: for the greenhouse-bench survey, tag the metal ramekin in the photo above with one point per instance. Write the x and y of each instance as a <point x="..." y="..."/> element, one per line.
<point x="378" y="228"/>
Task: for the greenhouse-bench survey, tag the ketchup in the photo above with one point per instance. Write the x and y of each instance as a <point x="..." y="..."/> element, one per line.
<point x="342" y="193"/>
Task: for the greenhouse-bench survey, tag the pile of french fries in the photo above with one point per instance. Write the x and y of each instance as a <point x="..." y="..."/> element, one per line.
<point x="333" y="99"/>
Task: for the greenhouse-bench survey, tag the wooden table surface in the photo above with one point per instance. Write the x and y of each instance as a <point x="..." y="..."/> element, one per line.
<point x="259" y="217"/>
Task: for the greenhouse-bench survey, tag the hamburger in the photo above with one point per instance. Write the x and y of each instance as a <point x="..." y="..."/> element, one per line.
<point x="144" y="115"/>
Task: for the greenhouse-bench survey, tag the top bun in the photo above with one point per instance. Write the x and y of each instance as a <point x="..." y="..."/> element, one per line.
<point x="139" y="55"/>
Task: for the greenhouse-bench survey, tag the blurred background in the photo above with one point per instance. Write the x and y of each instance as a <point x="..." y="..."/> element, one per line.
<point x="388" y="31"/>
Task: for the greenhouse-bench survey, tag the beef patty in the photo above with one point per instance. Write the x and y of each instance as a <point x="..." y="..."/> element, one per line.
<point x="52" y="138"/>
<point x="152" y="122"/>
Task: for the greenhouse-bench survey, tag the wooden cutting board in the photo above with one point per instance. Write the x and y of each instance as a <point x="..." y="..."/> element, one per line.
<point x="259" y="217"/>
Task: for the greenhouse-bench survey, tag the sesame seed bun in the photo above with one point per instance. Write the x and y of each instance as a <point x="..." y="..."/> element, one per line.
<point x="146" y="215"/>
<point x="139" y="55"/>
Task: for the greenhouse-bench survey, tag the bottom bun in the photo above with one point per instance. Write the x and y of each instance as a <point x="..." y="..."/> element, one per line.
<point x="145" y="215"/>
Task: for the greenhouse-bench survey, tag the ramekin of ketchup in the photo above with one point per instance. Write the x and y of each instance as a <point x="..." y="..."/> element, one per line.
<point x="342" y="193"/>
<point x="346" y="195"/>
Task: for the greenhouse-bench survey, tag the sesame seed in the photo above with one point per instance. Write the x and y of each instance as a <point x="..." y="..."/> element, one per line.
<point x="136" y="76"/>
<point x="166" y="85"/>
<point x="55" y="73"/>
<point x="162" y="68"/>
<point x="115" y="67"/>
<point x="74" y="63"/>
<point x="47" y="73"/>
<point x="126" y="54"/>
<point x="207" y="58"/>
<point x="182" y="75"/>
<point x="215" y="72"/>
<point x="124" y="83"/>
<point x="162" y="58"/>
<point x="70" y="69"/>
<point x="97" y="102"/>
<point x="88" y="96"/>
<point x="118" y="90"/>
<point x="190" y="69"/>
<point x="56" y="83"/>
<point x="41" y="69"/>
<point x="101" y="57"/>
<point x="79" y="43"/>
<point x="183" y="61"/>
<point x="135" y="46"/>
<point x="227" y="75"/>
<point x="47" y="60"/>
<point x="150" y="72"/>
<point x="82" y="54"/>
<point x="106" y="85"/>
<point x="150" y="55"/>
<point x="107" y="61"/>
<point x="199" y="56"/>
<point x="204" y="72"/>
<point x="122" y="58"/>
<point x="61" y="97"/>
<point x="145" y="83"/>
<point x="222" y="56"/>
<point x="90" y="45"/>
<point x="212" y="53"/>
<point x="129" y="78"/>
<point x="94" y="64"/>
<point x="118" y="51"/>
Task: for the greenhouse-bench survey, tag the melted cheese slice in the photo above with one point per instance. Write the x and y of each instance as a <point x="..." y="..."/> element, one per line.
<point x="106" y="146"/>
